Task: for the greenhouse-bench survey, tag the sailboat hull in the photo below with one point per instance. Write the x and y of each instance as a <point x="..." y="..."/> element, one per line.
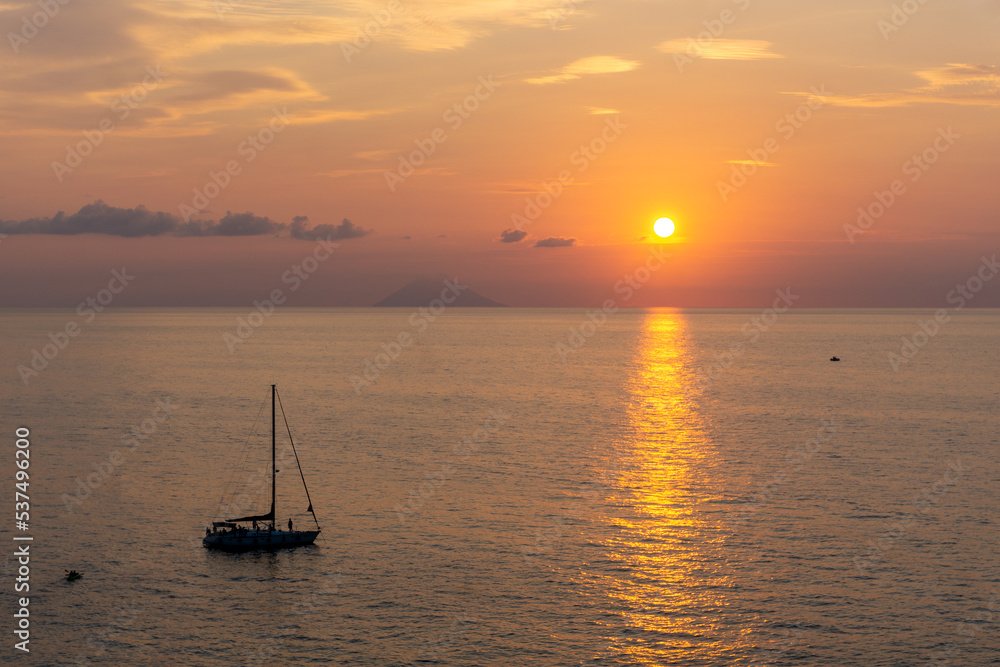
<point x="237" y="535"/>
<point x="254" y="540"/>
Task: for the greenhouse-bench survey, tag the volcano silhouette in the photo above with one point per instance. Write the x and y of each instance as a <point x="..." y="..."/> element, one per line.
<point x="422" y="291"/>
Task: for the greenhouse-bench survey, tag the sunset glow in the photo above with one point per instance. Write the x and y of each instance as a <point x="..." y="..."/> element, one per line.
<point x="471" y="138"/>
<point x="601" y="330"/>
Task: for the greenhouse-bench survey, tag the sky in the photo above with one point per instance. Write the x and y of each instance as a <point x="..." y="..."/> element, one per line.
<point x="846" y="150"/>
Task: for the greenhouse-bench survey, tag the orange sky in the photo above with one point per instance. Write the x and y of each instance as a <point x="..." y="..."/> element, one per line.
<point x="670" y="97"/>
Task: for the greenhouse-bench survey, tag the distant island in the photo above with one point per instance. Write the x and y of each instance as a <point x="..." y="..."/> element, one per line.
<point x="423" y="291"/>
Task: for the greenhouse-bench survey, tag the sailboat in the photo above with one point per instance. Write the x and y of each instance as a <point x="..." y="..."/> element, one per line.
<point x="255" y="532"/>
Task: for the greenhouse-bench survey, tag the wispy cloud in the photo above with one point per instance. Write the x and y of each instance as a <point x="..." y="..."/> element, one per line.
<point x="955" y="83"/>
<point x="600" y="111"/>
<point x="555" y="242"/>
<point x="585" y="66"/>
<point x="721" y="49"/>
<point x="314" y="116"/>
<point x="759" y="164"/>
<point x="424" y="25"/>
<point x="70" y="73"/>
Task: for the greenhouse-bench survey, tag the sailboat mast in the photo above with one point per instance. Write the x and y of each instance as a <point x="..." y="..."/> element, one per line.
<point x="274" y="516"/>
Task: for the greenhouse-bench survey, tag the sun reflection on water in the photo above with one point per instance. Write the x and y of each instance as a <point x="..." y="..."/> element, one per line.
<point x="664" y="573"/>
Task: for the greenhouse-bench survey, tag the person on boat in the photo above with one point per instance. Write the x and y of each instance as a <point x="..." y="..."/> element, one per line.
<point x="289" y="525"/>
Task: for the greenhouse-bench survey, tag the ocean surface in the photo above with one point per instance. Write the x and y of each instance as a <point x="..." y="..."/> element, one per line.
<point x="660" y="488"/>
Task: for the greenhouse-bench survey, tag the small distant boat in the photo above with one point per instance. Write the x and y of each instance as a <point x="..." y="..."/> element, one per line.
<point x="73" y="575"/>
<point x="245" y="533"/>
<point x="834" y="358"/>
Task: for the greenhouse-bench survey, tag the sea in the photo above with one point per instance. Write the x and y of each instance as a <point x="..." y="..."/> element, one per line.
<point x="506" y="486"/>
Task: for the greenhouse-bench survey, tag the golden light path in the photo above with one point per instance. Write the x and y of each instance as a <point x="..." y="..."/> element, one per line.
<point x="669" y="577"/>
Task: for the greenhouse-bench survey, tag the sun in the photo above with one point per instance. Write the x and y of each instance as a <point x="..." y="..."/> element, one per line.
<point x="664" y="227"/>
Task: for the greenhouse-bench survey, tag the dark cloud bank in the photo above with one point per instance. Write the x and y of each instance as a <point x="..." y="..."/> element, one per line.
<point x="517" y="235"/>
<point x="99" y="218"/>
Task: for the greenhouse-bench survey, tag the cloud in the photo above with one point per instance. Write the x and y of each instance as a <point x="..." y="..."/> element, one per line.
<point x="201" y="87"/>
<point x="155" y="100"/>
<point x="100" y="218"/>
<point x="244" y="224"/>
<point x="512" y="236"/>
<point x="584" y="66"/>
<point x="600" y="111"/>
<point x="961" y="73"/>
<point x="721" y="49"/>
<point x="93" y="53"/>
<point x="195" y="26"/>
<point x="555" y="242"/>
<point x="345" y="230"/>
<point x="955" y="83"/>
<point x="765" y="163"/>
<point x="315" y="116"/>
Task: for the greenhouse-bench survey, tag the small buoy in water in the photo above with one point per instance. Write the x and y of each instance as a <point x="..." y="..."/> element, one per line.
<point x="834" y="358"/>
